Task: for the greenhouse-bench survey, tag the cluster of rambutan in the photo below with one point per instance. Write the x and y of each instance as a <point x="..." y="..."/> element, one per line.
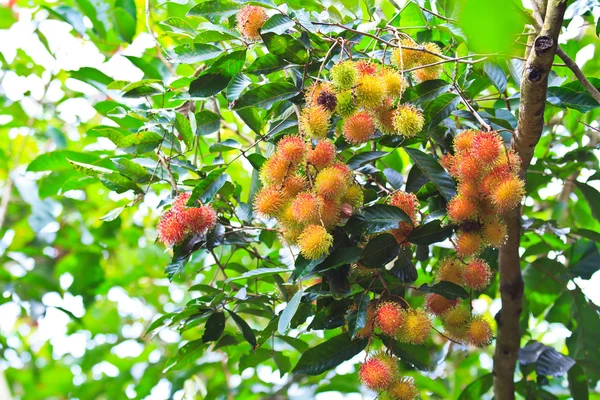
<point x="180" y="222"/>
<point x="488" y="186"/>
<point x="366" y="96"/>
<point x="309" y="191"/>
<point x="424" y="61"/>
<point x="380" y="372"/>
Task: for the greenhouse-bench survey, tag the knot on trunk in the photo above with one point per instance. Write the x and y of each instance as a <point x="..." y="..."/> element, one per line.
<point x="543" y="44"/>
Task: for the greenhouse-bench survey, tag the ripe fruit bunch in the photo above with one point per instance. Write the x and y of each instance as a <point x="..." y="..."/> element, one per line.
<point x="405" y="58"/>
<point x="180" y="222"/>
<point x="405" y="325"/>
<point x="309" y="192"/>
<point x="366" y="96"/>
<point x="380" y="372"/>
<point x="488" y="186"/>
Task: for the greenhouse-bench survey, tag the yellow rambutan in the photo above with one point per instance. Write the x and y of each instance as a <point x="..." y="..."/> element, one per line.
<point x="330" y="212"/>
<point x="479" y="332"/>
<point x="314" y="242"/>
<point x="389" y="317"/>
<point x="450" y="269"/>
<point x="508" y="194"/>
<point x="477" y="275"/>
<point x="403" y="58"/>
<point x="358" y="128"/>
<point x="456" y="321"/>
<point x="268" y="202"/>
<point x="314" y="122"/>
<point x="432" y="71"/>
<point x="344" y="169"/>
<point x="331" y="183"/>
<point x="403" y="388"/>
<point x="306" y="208"/>
<point x="407" y="202"/>
<point x="438" y="304"/>
<point x="463" y="141"/>
<point x="461" y="208"/>
<point x="379" y="371"/>
<point x="394" y="83"/>
<point x="468" y="243"/>
<point x="370" y="91"/>
<point x="353" y="196"/>
<point x="323" y="155"/>
<point x="275" y="170"/>
<point x="291" y="233"/>
<point x="416" y="327"/>
<point x="492" y="178"/>
<point x="494" y="232"/>
<point x="249" y="21"/>
<point x="346" y="103"/>
<point x="408" y="120"/>
<point x="344" y="75"/>
<point x="292" y="149"/>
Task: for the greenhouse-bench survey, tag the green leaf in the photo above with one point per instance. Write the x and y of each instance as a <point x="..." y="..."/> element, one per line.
<point x="112" y="214"/>
<point x="125" y="23"/>
<point x="361" y="159"/>
<point x="376" y="219"/>
<point x="225" y="145"/>
<point x="215" y="325"/>
<point x="429" y="233"/>
<point x="182" y="125"/>
<point x="578" y="385"/>
<point x="179" y="25"/>
<point x="338" y="257"/>
<point x="592" y="196"/>
<point x="357" y="319"/>
<point x="439" y="109"/>
<point x="93" y="77"/>
<point x="286" y="47"/>
<point x="477" y="389"/>
<point x="278" y="24"/>
<point x="236" y="86"/>
<point x="255" y="273"/>
<point x="244" y="328"/>
<point x="496" y="75"/>
<point x="415" y="355"/>
<point x="566" y="97"/>
<point x="266" y="64"/>
<point x="585" y="259"/>
<point x="143" y="88"/>
<point x="207" y="122"/>
<point x="65" y="13"/>
<point x="544" y="282"/>
<point x="380" y="250"/>
<point x="449" y="290"/>
<point x="207" y="189"/>
<point x="58" y="160"/>
<point x="218" y="76"/>
<point x="329" y="354"/>
<point x="132" y="170"/>
<point x="257" y="160"/>
<point x="434" y="172"/>
<point x="425" y="91"/>
<point x="195" y="53"/>
<point x="289" y="312"/>
<point x="266" y="95"/>
<point x="214" y="10"/>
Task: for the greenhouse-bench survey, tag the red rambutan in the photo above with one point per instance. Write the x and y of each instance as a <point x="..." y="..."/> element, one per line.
<point x="477" y="275"/>
<point x="378" y="372"/>
<point x="389" y="317"/>
<point x="323" y="155"/>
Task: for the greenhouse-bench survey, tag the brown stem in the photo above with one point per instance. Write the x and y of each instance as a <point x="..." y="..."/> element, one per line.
<point x="534" y="85"/>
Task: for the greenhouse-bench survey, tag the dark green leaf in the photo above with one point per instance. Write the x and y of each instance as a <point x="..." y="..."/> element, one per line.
<point x="449" y="290"/>
<point x="415" y="355"/>
<point x="357" y="319"/>
<point x="218" y="76"/>
<point x="363" y="158"/>
<point x="377" y="218"/>
<point x="424" y="91"/>
<point x="194" y="53"/>
<point x="255" y="273"/>
<point x="592" y="196"/>
<point x="496" y="75"/>
<point x="439" y="109"/>
<point x="286" y="47"/>
<point x="266" y="95"/>
<point x="209" y="186"/>
<point x="207" y="122"/>
<point x="214" y="10"/>
<point x="431" y="232"/>
<point x="329" y="354"/>
<point x="278" y="23"/>
<point x="340" y="256"/>
<point x="225" y="145"/>
<point x="215" y="325"/>
<point x="434" y="172"/>
<point x="380" y="250"/>
<point x="265" y="64"/>
<point x="244" y="328"/>
<point x="566" y="97"/>
<point x="478" y="388"/>
<point x="125" y="23"/>
<point x="578" y="385"/>
<point x="182" y="125"/>
<point x="236" y="86"/>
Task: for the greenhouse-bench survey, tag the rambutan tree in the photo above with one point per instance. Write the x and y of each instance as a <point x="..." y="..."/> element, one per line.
<point x="282" y="199"/>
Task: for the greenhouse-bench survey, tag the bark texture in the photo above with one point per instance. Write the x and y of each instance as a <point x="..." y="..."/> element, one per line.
<point x="534" y="85"/>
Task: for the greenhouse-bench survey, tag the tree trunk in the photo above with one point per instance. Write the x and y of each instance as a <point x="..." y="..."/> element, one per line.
<point x="534" y="85"/>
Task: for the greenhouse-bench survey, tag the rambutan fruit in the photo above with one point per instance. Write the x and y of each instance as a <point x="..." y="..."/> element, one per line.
<point x="479" y="332"/>
<point x="198" y="220"/>
<point x="249" y="21"/>
<point x="344" y="169"/>
<point x="402" y="232"/>
<point x="379" y="371"/>
<point x="275" y="170"/>
<point x="292" y="185"/>
<point x="456" y="321"/>
<point x="494" y="232"/>
<point x="365" y="67"/>
<point x="306" y="208"/>
<point x="450" y="269"/>
<point x="330" y="212"/>
<point x="384" y="117"/>
<point x="171" y="230"/>
<point x="268" y="202"/>
<point x="179" y="204"/>
<point x="493" y="177"/>
<point x="433" y="71"/>
<point x="394" y="83"/>
<point x="314" y="122"/>
<point x="314" y="92"/>
<point x="448" y="161"/>
<point x="328" y="101"/>
<point x="508" y="194"/>
<point x="468" y="189"/>
<point x="461" y="208"/>
<point x="463" y="141"/>
<point x="343" y="75"/>
<point x="514" y="161"/>
<point x="403" y="58"/>
<point x="487" y="147"/>
<point x="416" y="327"/>
<point x="358" y="128"/>
<point x="468" y="243"/>
<point x="407" y="202"/>
<point x="408" y="120"/>
<point x="477" y="275"/>
<point x="353" y="196"/>
<point x="323" y="155"/>
<point x="346" y="103"/>
<point x="292" y="149"/>
<point x="314" y="242"/>
<point x="403" y="388"/>
<point x="331" y="183"/>
<point x="469" y="168"/>
<point x="389" y="317"/>
<point x="370" y="91"/>
<point x="291" y="233"/>
<point x="438" y="304"/>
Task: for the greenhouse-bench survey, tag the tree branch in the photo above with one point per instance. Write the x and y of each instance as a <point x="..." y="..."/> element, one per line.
<point x="534" y="85"/>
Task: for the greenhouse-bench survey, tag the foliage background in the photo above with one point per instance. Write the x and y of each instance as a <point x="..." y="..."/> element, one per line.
<point x="81" y="282"/>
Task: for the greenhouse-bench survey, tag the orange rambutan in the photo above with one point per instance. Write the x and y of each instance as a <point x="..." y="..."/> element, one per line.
<point x="494" y="232"/>
<point x="432" y="71"/>
<point x="306" y="208"/>
<point x="275" y="170"/>
<point x="408" y="120"/>
<point x="330" y="212"/>
<point x="389" y="317"/>
<point x="292" y="149"/>
<point x="407" y="202"/>
<point x="403" y="388"/>
<point x="468" y="243"/>
<point x="469" y="168"/>
<point x="171" y="230"/>
<point x="344" y="169"/>
<point x="468" y="189"/>
<point x="314" y="242"/>
<point x="487" y="147"/>
<point x="314" y="122"/>
<point x="331" y="183"/>
<point x="379" y="371"/>
<point x="479" y="332"/>
<point x="463" y="141"/>
<point x="461" y="208"/>
<point x="477" y="275"/>
<point x="438" y="304"/>
<point x="416" y="327"/>
<point x="323" y="155"/>
<point x="492" y="178"/>
<point x="292" y="185"/>
<point x="359" y="128"/>
<point x="403" y="58"/>
<point x="268" y="202"/>
<point x="343" y="75"/>
<point x="448" y="161"/>
<point x="249" y="21"/>
<point x="508" y="194"/>
<point x="369" y="91"/>
<point x="450" y="269"/>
